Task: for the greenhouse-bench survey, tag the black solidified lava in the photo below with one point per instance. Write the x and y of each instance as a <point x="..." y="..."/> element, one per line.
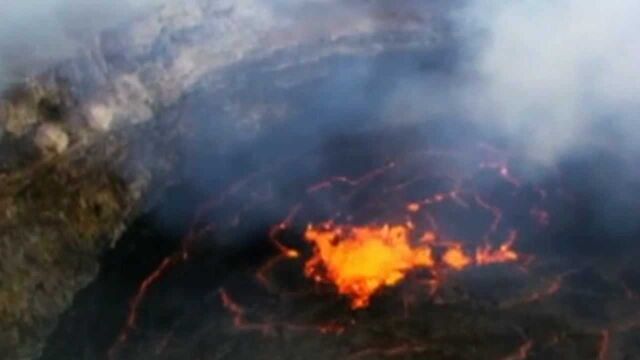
<point x="193" y="278"/>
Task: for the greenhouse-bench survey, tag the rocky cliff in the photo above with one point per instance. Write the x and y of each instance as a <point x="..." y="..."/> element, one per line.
<point x="84" y="145"/>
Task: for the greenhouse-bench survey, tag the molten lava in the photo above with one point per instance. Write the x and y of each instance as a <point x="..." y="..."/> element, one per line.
<point x="424" y="224"/>
<point x="456" y="258"/>
<point x="486" y="255"/>
<point x="361" y="260"/>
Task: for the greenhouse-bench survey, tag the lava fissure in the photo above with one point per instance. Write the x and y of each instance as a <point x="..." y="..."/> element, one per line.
<point x="357" y="236"/>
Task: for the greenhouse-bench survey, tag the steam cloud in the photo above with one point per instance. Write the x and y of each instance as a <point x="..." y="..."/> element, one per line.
<point x="549" y="74"/>
<point x="36" y="34"/>
<point x="554" y="74"/>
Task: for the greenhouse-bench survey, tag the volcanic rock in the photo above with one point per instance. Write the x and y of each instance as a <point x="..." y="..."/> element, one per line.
<point x="113" y="114"/>
<point x="51" y="138"/>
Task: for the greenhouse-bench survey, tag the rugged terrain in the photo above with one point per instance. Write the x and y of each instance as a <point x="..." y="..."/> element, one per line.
<point x="87" y="145"/>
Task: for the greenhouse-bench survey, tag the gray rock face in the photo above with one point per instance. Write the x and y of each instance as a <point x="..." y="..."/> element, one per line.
<point x="96" y="114"/>
<point x="51" y="138"/>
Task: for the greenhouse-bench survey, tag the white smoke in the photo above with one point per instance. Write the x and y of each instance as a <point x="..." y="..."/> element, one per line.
<point x="37" y="34"/>
<point x="553" y="74"/>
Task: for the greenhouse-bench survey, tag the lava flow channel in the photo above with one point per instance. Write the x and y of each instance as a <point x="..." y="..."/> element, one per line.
<point x="362" y="260"/>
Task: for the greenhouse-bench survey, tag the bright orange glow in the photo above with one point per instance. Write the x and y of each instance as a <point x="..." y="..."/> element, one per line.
<point x="361" y="260"/>
<point x="292" y="254"/>
<point x="456" y="258"/>
<point x="428" y="237"/>
<point x="486" y="255"/>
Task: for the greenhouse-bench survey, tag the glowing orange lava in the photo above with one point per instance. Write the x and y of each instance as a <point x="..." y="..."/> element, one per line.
<point x="486" y="255"/>
<point x="361" y="260"/>
<point x="456" y="258"/>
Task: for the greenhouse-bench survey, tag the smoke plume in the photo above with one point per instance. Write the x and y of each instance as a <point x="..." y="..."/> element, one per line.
<point x="37" y="34"/>
<point x="553" y="75"/>
<point x="550" y="75"/>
